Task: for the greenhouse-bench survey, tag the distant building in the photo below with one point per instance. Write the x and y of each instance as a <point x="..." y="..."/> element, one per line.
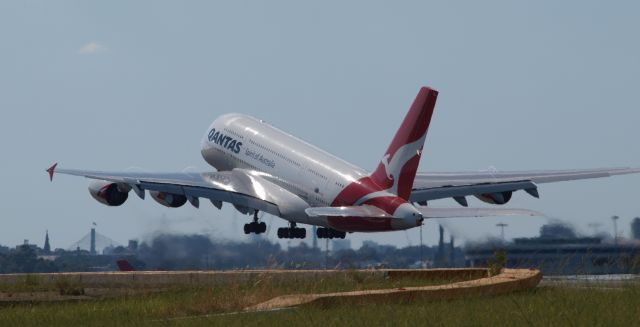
<point x="557" y="231"/>
<point x="635" y="228"/>
<point x="559" y="252"/>
<point x="46" y="253"/>
<point x="445" y="255"/>
<point x="92" y="250"/>
<point x="26" y="244"/>
<point x="47" y="247"/>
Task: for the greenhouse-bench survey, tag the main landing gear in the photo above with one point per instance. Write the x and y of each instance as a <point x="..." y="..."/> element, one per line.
<point x="255" y="227"/>
<point x="330" y="233"/>
<point x="292" y="232"/>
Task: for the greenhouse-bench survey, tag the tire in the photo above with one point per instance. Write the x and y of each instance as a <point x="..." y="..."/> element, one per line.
<point x="331" y="233"/>
<point x="262" y="227"/>
<point x="247" y="229"/>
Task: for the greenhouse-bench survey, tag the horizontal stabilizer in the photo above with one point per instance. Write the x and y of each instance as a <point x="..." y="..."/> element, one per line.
<point x="428" y="212"/>
<point x="450" y="191"/>
<point x="353" y="211"/>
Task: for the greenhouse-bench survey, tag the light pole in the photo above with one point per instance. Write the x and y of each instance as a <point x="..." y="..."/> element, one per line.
<point x="502" y="226"/>
<point x="421" y="256"/>
<point x="326" y="254"/>
<point x="615" y="229"/>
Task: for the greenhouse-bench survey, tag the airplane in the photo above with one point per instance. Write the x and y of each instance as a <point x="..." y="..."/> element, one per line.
<point x="260" y="168"/>
<point x="125" y="265"/>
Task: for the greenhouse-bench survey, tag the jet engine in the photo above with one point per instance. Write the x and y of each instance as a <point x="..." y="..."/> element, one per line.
<point x="109" y="193"/>
<point x="495" y="198"/>
<point x="168" y="199"/>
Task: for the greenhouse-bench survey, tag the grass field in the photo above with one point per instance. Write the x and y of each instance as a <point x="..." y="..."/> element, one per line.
<point x="184" y="306"/>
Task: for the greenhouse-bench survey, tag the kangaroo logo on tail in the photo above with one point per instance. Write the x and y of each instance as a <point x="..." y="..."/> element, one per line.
<point x="393" y="178"/>
<point x="385" y="162"/>
<point x="398" y="167"/>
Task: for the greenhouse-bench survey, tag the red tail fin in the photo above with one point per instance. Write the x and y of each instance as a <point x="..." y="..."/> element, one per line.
<point x="398" y="167"/>
<point x="124" y="265"/>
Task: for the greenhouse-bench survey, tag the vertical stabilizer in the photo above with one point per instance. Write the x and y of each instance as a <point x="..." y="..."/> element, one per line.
<point x="125" y="265"/>
<point x="399" y="165"/>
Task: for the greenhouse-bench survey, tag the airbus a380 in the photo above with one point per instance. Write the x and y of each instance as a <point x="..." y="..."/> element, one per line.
<point x="261" y="168"/>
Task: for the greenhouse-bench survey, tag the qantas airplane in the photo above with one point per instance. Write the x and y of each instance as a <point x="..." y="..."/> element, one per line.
<point x="261" y="168"/>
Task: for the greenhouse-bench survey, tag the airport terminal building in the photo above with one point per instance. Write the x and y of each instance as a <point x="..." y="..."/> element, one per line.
<point x="561" y="254"/>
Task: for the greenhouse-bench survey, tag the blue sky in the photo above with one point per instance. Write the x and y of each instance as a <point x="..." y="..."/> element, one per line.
<point x="133" y="85"/>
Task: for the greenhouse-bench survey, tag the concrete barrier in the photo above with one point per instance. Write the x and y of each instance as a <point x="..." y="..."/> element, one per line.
<point x="509" y="280"/>
<point x="461" y="283"/>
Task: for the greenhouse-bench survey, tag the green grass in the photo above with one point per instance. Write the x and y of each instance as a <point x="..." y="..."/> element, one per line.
<point x="349" y="280"/>
<point x="544" y="306"/>
<point x="540" y="307"/>
<point x="144" y="304"/>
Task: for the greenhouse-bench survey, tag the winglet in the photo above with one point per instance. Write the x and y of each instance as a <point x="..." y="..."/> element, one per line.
<point x="52" y="170"/>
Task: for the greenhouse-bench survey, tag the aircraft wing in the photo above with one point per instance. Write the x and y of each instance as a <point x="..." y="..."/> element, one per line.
<point x="432" y="186"/>
<point x="428" y="212"/>
<point x="348" y="211"/>
<point x="238" y="187"/>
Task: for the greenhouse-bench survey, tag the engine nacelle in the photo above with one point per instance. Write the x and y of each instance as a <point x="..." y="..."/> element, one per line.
<point x="168" y="199"/>
<point x="109" y="193"/>
<point x="495" y="198"/>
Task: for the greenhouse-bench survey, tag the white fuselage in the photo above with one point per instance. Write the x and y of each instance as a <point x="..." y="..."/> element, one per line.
<point x="236" y="141"/>
<point x="245" y="142"/>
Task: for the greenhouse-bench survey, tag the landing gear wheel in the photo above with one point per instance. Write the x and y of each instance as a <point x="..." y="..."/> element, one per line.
<point x="292" y="232"/>
<point x="330" y="233"/>
<point x="255" y="226"/>
<point x="302" y="233"/>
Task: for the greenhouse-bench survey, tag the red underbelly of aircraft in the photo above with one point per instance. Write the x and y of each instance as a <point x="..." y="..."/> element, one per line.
<point x="359" y="224"/>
